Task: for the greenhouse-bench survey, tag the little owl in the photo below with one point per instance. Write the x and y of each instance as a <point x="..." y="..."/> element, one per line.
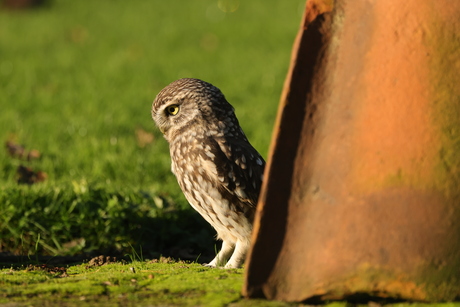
<point x="218" y="170"/>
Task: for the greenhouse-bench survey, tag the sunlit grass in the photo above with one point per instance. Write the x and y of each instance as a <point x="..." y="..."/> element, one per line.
<point x="184" y="284"/>
<point x="77" y="79"/>
<point x="139" y="283"/>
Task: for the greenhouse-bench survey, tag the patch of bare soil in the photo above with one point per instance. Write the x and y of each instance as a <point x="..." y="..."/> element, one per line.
<point x="55" y="270"/>
<point x="166" y="260"/>
<point x="101" y="260"/>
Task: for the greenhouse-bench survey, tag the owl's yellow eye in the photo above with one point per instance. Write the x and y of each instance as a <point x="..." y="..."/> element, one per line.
<point x="172" y="109"/>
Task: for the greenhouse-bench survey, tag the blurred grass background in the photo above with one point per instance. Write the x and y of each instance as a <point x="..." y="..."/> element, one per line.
<point x="77" y="79"/>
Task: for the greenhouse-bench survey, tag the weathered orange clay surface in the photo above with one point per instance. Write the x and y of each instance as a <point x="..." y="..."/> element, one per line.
<point x="363" y="181"/>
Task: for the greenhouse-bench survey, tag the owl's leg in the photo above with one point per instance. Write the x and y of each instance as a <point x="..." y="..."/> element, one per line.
<point x="223" y="255"/>
<point x="239" y="255"/>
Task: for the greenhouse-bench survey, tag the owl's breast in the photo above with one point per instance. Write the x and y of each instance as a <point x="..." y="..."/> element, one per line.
<point x="195" y="159"/>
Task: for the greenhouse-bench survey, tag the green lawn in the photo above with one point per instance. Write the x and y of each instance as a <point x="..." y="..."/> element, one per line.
<point x="137" y="283"/>
<point x="158" y="284"/>
<point x="77" y="79"/>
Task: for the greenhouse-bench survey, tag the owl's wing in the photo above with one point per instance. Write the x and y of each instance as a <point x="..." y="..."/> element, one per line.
<point x="239" y="169"/>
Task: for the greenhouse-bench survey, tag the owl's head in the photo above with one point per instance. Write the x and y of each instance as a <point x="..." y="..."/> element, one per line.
<point x="188" y="104"/>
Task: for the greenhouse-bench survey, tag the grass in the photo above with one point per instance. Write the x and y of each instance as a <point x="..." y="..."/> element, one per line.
<point x="139" y="283"/>
<point x="41" y="221"/>
<point x="171" y="284"/>
<point x="77" y="79"/>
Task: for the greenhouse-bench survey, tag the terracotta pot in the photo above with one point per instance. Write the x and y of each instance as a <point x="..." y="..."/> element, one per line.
<point x="362" y="197"/>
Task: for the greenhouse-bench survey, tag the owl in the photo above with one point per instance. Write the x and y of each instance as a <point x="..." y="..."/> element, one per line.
<point x="218" y="170"/>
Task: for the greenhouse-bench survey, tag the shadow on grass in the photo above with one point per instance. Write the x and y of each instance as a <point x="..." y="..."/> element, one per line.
<point x="70" y="225"/>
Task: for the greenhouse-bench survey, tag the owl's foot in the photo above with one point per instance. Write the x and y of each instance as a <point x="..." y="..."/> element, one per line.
<point x="222" y="256"/>
<point x="238" y="256"/>
<point x="237" y="252"/>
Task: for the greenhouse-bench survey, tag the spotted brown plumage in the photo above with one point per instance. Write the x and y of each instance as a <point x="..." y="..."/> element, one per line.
<point x="218" y="170"/>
